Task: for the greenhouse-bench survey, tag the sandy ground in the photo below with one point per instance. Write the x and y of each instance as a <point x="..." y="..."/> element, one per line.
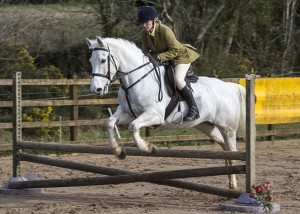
<point x="279" y="164"/>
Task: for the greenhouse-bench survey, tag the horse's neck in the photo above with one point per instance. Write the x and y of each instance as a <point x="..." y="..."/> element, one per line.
<point x="135" y="76"/>
<point x="133" y="68"/>
<point x="131" y="61"/>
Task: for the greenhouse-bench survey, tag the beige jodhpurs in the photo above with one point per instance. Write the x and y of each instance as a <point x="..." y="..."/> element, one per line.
<point x="180" y="72"/>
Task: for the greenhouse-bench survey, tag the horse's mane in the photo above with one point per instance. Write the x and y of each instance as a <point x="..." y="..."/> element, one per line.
<point x="120" y="43"/>
<point x="121" y="49"/>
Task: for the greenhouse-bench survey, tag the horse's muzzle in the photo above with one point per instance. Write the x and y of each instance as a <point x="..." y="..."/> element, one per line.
<point x="98" y="91"/>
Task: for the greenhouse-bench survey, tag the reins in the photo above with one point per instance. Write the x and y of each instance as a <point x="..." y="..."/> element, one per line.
<point x="127" y="88"/>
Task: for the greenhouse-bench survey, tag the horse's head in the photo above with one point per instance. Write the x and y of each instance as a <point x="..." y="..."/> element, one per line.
<point x="104" y="66"/>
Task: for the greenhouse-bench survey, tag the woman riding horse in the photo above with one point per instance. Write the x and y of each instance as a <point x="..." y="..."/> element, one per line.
<point x="159" y="40"/>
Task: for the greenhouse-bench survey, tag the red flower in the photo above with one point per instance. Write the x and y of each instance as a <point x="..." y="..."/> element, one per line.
<point x="259" y="189"/>
<point x="263" y="195"/>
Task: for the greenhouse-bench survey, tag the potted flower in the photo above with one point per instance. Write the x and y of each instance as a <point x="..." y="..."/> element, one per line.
<point x="263" y="195"/>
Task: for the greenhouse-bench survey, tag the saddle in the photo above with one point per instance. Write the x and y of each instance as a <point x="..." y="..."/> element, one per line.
<point x="172" y="90"/>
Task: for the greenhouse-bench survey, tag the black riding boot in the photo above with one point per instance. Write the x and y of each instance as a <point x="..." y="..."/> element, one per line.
<point x="193" y="113"/>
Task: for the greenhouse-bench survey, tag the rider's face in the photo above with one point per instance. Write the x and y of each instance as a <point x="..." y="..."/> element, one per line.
<point x="148" y="25"/>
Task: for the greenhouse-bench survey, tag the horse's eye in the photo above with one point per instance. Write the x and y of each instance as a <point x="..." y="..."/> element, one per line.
<point x="103" y="60"/>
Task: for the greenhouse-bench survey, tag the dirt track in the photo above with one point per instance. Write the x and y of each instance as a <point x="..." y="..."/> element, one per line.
<point x="279" y="164"/>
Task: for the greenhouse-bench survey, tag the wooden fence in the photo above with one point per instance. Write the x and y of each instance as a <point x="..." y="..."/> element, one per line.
<point x="74" y="123"/>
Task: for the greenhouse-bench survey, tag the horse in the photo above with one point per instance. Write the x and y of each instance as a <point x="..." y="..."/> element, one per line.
<point x="143" y="98"/>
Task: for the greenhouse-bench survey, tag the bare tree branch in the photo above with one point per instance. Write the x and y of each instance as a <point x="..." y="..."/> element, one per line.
<point x="209" y="22"/>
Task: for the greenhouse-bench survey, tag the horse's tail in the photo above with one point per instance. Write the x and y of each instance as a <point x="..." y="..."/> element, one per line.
<point x="242" y="120"/>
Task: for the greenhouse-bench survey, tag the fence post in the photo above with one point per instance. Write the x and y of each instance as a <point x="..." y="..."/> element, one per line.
<point x="271" y="126"/>
<point x="147" y="132"/>
<point x="250" y="131"/>
<point x="271" y="137"/>
<point x="17" y="121"/>
<point x="74" y="112"/>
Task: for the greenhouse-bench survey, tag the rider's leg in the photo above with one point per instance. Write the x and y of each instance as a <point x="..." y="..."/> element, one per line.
<point x="180" y="73"/>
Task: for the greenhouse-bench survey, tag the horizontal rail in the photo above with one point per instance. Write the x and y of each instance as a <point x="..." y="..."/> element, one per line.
<point x="6" y="82"/>
<point x="130" y="178"/>
<point x="112" y="171"/>
<point x="67" y="82"/>
<point x="230" y="155"/>
<point x="92" y="122"/>
<point x="41" y="82"/>
<point x="28" y="103"/>
<point x="50" y="124"/>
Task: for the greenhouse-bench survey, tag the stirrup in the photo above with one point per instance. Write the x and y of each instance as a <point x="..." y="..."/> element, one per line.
<point x="180" y="120"/>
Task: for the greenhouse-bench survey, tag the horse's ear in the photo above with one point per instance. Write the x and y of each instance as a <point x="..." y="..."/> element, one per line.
<point x="88" y="42"/>
<point x="99" y="41"/>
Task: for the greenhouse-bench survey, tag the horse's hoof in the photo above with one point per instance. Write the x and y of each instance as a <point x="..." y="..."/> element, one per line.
<point x="153" y="149"/>
<point x="122" y="155"/>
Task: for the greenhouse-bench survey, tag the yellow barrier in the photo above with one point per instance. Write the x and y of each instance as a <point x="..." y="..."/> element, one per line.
<point x="277" y="100"/>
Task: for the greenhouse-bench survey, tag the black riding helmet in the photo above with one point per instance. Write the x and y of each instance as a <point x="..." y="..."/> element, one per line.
<point x="145" y="14"/>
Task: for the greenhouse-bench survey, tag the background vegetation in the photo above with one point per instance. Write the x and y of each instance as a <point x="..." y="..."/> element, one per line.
<point x="46" y="39"/>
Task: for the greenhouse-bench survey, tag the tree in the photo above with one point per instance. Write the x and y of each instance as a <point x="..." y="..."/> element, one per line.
<point x="289" y="53"/>
<point x="231" y="35"/>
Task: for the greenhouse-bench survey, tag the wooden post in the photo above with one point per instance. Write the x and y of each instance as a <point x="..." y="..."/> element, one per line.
<point x="215" y="74"/>
<point x="271" y="137"/>
<point x="74" y="112"/>
<point x="271" y="126"/>
<point x="75" y="148"/>
<point x="250" y="131"/>
<point x="17" y="121"/>
<point x="147" y="132"/>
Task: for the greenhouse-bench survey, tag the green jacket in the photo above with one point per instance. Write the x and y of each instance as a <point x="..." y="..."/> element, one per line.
<point x="163" y="42"/>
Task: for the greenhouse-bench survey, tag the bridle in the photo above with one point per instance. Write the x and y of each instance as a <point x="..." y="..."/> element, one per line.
<point x="110" y="58"/>
<point x="108" y="75"/>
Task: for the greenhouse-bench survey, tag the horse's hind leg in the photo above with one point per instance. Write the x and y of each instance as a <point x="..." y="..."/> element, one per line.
<point x="119" y="117"/>
<point x="230" y="145"/>
<point x="227" y="141"/>
<point x="213" y="132"/>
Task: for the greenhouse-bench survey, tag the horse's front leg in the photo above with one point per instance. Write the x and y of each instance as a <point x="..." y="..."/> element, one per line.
<point x="148" y="118"/>
<point x="119" y="117"/>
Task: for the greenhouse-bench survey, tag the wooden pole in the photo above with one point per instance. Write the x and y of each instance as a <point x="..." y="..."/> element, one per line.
<point x="17" y="121"/>
<point x="112" y="171"/>
<point x="147" y="132"/>
<point x="130" y="178"/>
<point x="271" y="137"/>
<point x="230" y="155"/>
<point x="74" y="112"/>
<point x="271" y="126"/>
<point x="250" y="131"/>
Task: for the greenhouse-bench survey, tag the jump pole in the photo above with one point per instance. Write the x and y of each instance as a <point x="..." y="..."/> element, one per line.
<point x="130" y="178"/>
<point x="230" y="155"/>
<point x="113" y="172"/>
<point x="244" y="203"/>
<point x="17" y="121"/>
<point x="250" y="131"/>
<point x="17" y="137"/>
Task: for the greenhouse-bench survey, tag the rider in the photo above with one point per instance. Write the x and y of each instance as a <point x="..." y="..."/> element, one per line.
<point x="160" y="40"/>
